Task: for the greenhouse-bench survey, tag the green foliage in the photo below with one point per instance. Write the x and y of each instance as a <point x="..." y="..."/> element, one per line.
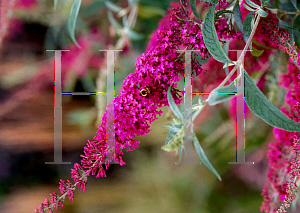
<point x="72" y="20"/>
<point x="247" y="27"/>
<point x="237" y="15"/>
<point x="220" y="94"/>
<point x="252" y="4"/>
<point x="211" y="39"/>
<point x="113" y="7"/>
<point x="249" y="8"/>
<point x="174" y="140"/>
<point x="203" y="157"/>
<point x="263" y="108"/>
<point x="172" y="104"/>
<point x="255" y="52"/>
<point x="263" y="2"/>
<point x="262" y="13"/>
<point x="193" y="6"/>
<point x="220" y="12"/>
<point x="55" y="4"/>
<point x="282" y="24"/>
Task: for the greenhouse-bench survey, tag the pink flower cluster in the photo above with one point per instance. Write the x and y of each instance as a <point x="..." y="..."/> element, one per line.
<point x="156" y="69"/>
<point x="281" y="158"/>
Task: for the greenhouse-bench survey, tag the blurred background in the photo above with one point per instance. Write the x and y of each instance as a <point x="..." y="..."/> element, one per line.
<point x="150" y="181"/>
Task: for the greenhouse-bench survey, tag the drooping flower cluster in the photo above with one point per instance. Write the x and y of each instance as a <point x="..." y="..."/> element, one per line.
<point x="156" y="69"/>
<point x="281" y="157"/>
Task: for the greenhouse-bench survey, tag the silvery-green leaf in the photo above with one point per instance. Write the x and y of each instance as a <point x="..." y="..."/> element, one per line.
<point x="125" y="21"/>
<point x="133" y="35"/>
<point x="113" y="7"/>
<point x="211" y="39"/>
<point x="72" y="20"/>
<point x="132" y="2"/>
<point x="172" y="133"/>
<point x="252" y="4"/>
<point x="172" y="104"/>
<point x="203" y="157"/>
<point x="247" y="28"/>
<point x="284" y="25"/>
<point x="248" y="8"/>
<point x="226" y="48"/>
<point x="237" y="15"/>
<point x="220" y="12"/>
<point x="176" y="142"/>
<point x="222" y="94"/>
<point x="113" y="21"/>
<point x="294" y="2"/>
<point x="263" y="2"/>
<point x="200" y="101"/>
<point x="193" y="7"/>
<point x="168" y="127"/>
<point x="263" y="108"/>
<point x="262" y="13"/>
<point x="180" y="155"/>
<point x="292" y="38"/>
<point x="55" y="4"/>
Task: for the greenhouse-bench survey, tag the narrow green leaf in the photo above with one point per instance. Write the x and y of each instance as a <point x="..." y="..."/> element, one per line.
<point x="168" y="127"/>
<point x="220" y="94"/>
<point x="294" y="2"/>
<point x="263" y="108"/>
<point x="262" y="13"/>
<point x="226" y="48"/>
<point x="200" y="100"/>
<point x="263" y="2"/>
<point x="203" y="157"/>
<point x="252" y="4"/>
<point x="180" y="155"/>
<point x="132" y="2"/>
<point x="172" y="104"/>
<point x="172" y="133"/>
<point x="125" y="22"/>
<point x="256" y="52"/>
<point x="210" y="1"/>
<point x="113" y="7"/>
<point x="249" y="8"/>
<point x="220" y="12"/>
<point x="261" y="45"/>
<point x="247" y="28"/>
<point x="193" y="6"/>
<point x="55" y="4"/>
<point x="176" y="142"/>
<point x="133" y="35"/>
<point x="211" y="39"/>
<point x="237" y="15"/>
<point x="292" y="37"/>
<point x="284" y="25"/>
<point x="113" y="21"/>
<point x="72" y="20"/>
